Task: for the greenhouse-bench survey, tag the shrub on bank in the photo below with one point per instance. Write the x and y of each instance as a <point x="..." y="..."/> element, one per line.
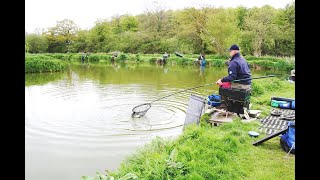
<point x="264" y="62"/>
<point x="38" y="66"/>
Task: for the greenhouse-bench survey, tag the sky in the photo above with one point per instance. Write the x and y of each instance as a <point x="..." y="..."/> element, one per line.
<point x="42" y="14"/>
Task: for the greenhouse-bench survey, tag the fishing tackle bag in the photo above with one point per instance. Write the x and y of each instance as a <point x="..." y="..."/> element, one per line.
<point x="287" y="140"/>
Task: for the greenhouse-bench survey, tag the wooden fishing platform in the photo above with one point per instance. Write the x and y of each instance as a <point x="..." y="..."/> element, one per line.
<point x="220" y="116"/>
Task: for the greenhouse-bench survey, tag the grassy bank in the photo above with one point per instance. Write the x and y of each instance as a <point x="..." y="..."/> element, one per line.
<point x="222" y="152"/>
<point x="265" y="62"/>
<point x="263" y="90"/>
<point x="50" y="65"/>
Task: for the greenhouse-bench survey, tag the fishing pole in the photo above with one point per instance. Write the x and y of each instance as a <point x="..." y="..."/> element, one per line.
<point x="182" y="91"/>
<point x="260" y="77"/>
<point x="141" y="109"/>
<point x="228" y="84"/>
<point x="213" y="39"/>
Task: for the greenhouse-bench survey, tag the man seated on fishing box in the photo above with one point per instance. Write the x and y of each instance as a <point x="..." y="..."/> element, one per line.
<point x="238" y="70"/>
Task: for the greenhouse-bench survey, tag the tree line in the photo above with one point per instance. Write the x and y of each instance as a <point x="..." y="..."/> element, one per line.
<point x="258" y="31"/>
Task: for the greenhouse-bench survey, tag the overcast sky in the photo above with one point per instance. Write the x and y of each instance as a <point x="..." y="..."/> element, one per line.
<point x="42" y="14"/>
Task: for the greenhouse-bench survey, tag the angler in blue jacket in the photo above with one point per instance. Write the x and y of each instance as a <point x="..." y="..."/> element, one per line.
<point x="238" y="69"/>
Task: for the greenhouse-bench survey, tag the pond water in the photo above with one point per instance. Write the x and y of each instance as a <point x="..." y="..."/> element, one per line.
<point x="79" y="121"/>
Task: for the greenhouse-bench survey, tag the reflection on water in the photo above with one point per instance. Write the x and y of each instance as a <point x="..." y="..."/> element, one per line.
<point x="79" y="121"/>
<point x="202" y="73"/>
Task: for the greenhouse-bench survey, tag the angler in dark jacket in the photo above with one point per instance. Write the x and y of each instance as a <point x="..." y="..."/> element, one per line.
<point x="238" y="69"/>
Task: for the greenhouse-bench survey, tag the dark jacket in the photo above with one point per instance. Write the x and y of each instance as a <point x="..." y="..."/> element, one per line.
<point x="238" y="69"/>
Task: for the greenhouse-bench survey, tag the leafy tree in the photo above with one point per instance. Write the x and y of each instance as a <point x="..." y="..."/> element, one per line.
<point x="81" y="42"/>
<point x="223" y="30"/>
<point x="241" y="13"/>
<point x="128" y="42"/>
<point x="125" y="34"/>
<point x="258" y="31"/>
<point x="27" y="47"/>
<point x="116" y="25"/>
<point x="99" y="37"/>
<point x="285" y="35"/>
<point x="35" y="43"/>
<point x="156" y="18"/>
<point x="124" y="23"/>
<point x="260" y="27"/>
<point x="61" y="36"/>
<point x="183" y="31"/>
<point x="129" y="23"/>
<point x="191" y="27"/>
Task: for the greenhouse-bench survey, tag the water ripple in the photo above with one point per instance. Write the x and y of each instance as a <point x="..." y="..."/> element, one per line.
<point x="89" y="114"/>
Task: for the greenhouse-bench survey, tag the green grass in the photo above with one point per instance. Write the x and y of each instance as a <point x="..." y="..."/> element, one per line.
<point x="38" y="66"/>
<point x="263" y="62"/>
<point x="220" y="152"/>
<point x="263" y="90"/>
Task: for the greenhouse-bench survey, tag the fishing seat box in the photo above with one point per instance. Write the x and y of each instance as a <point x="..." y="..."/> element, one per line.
<point x="235" y="99"/>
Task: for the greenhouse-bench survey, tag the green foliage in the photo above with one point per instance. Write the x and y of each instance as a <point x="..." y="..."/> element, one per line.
<point x="269" y="58"/>
<point x="36" y="43"/>
<point x="263" y="90"/>
<point x="30" y="57"/>
<point x="68" y="57"/>
<point x="138" y="58"/>
<point x="128" y="42"/>
<point x="92" y="58"/>
<point x="228" y="33"/>
<point x="283" y="65"/>
<point x="215" y="56"/>
<point x="47" y="56"/>
<point x="263" y="62"/>
<point x="258" y="31"/>
<point x="152" y="60"/>
<point x="285" y="34"/>
<point x="27" y="47"/>
<point x="259" y="24"/>
<point x="123" y="57"/>
<point x="256" y="89"/>
<point x="99" y="37"/>
<point x="270" y="85"/>
<point x="62" y="36"/>
<point x="218" y="62"/>
<point x="35" y="66"/>
<point x="128" y="23"/>
<point x="241" y="13"/>
<point x="184" y="61"/>
<point x="81" y="42"/>
<point x="174" y="168"/>
<point x="100" y="176"/>
<point x="56" y="55"/>
<point x="205" y="118"/>
<point x="272" y="64"/>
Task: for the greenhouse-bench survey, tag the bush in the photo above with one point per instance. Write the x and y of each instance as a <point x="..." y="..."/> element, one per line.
<point x="34" y="66"/>
<point x="93" y="58"/>
<point x="218" y="62"/>
<point x="123" y="57"/>
<point x="152" y="60"/>
<point x="137" y="58"/>
<point x="32" y="57"/>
